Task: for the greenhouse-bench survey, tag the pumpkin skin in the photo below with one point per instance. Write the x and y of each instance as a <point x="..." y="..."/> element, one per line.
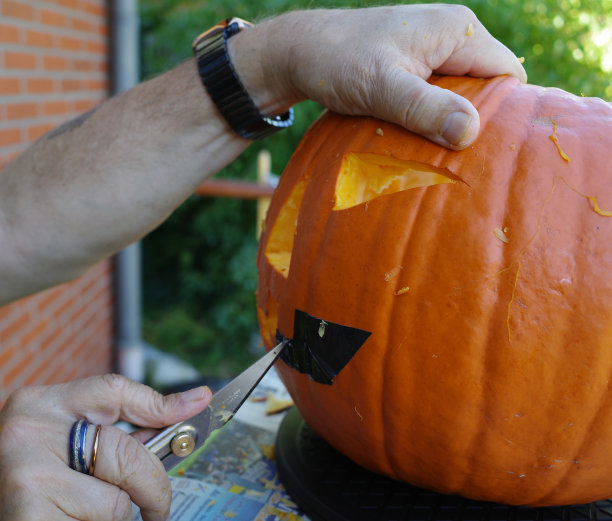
<point x="488" y="293"/>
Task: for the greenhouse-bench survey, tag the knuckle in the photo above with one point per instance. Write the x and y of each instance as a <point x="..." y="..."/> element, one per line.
<point x="459" y="12"/>
<point x="122" y="509"/>
<point x="159" y="404"/>
<point x="129" y="459"/>
<point x="15" y="427"/>
<point x="16" y="486"/>
<point x="115" y="382"/>
<point x="21" y="398"/>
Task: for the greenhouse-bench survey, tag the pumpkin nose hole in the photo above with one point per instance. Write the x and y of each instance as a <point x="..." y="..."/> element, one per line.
<point x="364" y="177"/>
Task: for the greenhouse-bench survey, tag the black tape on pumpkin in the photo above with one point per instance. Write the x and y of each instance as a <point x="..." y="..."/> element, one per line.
<point x="319" y="348"/>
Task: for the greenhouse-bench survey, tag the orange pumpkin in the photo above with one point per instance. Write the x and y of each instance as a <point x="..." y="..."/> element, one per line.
<point x="485" y="279"/>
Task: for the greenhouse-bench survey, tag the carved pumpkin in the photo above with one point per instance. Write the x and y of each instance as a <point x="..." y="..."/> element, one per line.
<point x="485" y="279"/>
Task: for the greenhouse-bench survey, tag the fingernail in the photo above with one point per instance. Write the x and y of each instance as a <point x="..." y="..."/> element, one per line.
<point x="455" y="127"/>
<point x="197" y="394"/>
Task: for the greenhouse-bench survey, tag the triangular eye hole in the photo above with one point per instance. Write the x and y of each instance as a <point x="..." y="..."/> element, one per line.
<point x="280" y="242"/>
<point x="364" y="177"/>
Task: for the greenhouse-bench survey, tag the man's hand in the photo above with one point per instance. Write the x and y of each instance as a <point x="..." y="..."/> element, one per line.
<point x="376" y="62"/>
<point x="35" y="479"/>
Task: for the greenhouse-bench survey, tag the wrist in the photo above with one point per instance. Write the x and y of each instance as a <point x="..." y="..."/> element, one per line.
<point x="260" y="56"/>
<point x="221" y="78"/>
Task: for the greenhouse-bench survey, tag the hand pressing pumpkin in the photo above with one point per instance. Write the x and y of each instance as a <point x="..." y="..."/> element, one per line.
<point x="485" y="279"/>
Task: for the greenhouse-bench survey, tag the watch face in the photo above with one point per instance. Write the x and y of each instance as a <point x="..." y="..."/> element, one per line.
<point x="242" y="24"/>
<point x="219" y="28"/>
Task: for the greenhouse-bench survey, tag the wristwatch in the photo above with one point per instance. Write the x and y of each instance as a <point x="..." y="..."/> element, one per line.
<point x="226" y="89"/>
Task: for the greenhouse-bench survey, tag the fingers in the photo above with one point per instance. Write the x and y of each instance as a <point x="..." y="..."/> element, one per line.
<point x="83" y="497"/>
<point x="108" y="398"/>
<point x="382" y="72"/>
<point x="463" y="46"/>
<point x="126" y="463"/>
<point x="40" y="487"/>
<point x="40" y="479"/>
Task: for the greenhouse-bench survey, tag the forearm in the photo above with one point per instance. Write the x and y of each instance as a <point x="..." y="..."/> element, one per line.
<point x="96" y="184"/>
<point x="102" y="181"/>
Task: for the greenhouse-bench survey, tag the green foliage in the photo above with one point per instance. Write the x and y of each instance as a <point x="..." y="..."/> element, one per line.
<point x="200" y="276"/>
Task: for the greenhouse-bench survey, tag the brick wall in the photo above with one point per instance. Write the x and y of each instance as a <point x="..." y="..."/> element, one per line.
<point x="53" y="66"/>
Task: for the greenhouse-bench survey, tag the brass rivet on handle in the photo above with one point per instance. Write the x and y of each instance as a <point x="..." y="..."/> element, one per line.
<point x="182" y="444"/>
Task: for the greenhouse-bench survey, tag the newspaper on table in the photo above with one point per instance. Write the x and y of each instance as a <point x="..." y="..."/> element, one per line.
<point x="233" y="476"/>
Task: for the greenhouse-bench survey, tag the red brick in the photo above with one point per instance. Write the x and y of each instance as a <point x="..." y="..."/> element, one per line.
<point x="47" y="343"/>
<point x="14" y="327"/>
<point x="6" y="354"/>
<point x="54" y="108"/>
<point x="74" y="374"/>
<point x="9" y="86"/>
<point x="48" y="297"/>
<point x="82" y="25"/>
<point x="95" y="8"/>
<point x="10" y="137"/>
<point x="71" y="85"/>
<point x="97" y="47"/>
<point x="19" y="60"/>
<point x="97" y="85"/>
<point x="55" y="63"/>
<point x="5" y="311"/>
<point x="21" y="110"/>
<point x="9" y="34"/>
<point x="70" y="4"/>
<point x="14" y="9"/>
<point x="83" y="65"/>
<point x="49" y="17"/>
<point x="102" y="30"/>
<point x="40" y="85"/>
<point x="55" y="376"/>
<point x="69" y="43"/>
<point x="63" y="309"/>
<point x="69" y="332"/>
<point x="36" y="377"/>
<point x="39" y="38"/>
<point x="37" y="131"/>
<point x="18" y="370"/>
<point x="35" y="332"/>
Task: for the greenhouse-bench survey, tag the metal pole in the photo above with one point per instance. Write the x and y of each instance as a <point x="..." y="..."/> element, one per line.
<point x="125" y="57"/>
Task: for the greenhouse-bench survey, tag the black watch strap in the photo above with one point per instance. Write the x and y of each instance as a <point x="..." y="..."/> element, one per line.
<point x="226" y="89"/>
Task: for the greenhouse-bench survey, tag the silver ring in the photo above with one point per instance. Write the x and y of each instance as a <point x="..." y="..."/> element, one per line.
<point x="76" y="446"/>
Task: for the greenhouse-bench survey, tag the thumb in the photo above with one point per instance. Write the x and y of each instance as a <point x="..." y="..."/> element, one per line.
<point x="433" y="112"/>
<point x="108" y="398"/>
